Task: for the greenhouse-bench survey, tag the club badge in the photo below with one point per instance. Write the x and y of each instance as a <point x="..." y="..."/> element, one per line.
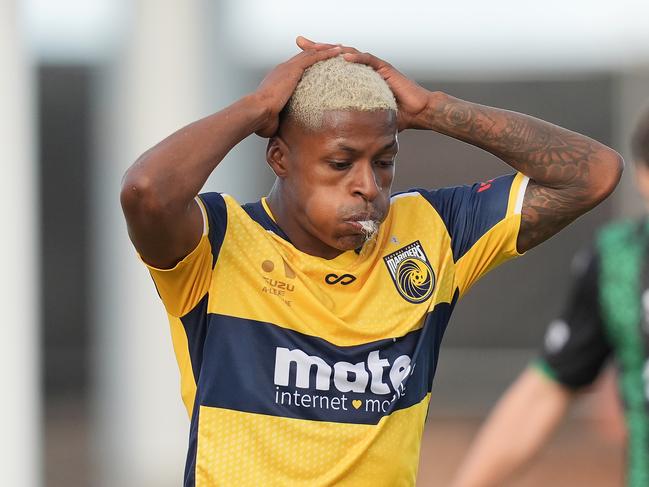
<point x="411" y="272"/>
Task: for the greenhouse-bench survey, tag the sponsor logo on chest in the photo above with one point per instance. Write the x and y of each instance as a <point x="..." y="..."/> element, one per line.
<point x="295" y="370"/>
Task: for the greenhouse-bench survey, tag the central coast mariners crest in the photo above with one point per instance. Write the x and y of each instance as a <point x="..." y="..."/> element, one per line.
<point x="411" y="273"/>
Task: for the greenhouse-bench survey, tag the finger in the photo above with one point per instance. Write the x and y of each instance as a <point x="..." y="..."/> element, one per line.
<point x="364" y="58"/>
<point x="324" y="47"/>
<point x="349" y="50"/>
<point x="307" y="54"/>
<point x="312" y="56"/>
<point x="304" y="44"/>
<point x="357" y="57"/>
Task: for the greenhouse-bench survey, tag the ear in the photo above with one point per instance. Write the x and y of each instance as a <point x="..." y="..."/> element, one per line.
<point x="276" y="155"/>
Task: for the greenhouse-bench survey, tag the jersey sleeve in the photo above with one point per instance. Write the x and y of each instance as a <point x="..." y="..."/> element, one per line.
<point x="575" y="346"/>
<point x="182" y="287"/>
<point x="483" y="222"/>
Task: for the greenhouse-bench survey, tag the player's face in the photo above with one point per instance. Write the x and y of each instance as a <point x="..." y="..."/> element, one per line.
<point x="339" y="177"/>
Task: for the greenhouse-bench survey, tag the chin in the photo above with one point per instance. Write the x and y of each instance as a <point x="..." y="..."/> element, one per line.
<point x="350" y="242"/>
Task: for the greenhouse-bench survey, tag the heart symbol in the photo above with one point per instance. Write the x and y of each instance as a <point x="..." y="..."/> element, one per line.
<point x="357" y="403"/>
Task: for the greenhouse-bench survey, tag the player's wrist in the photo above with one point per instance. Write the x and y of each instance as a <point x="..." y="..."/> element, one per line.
<point x="258" y="112"/>
<point x="425" y="119"/>
<point x="434" y="105"/>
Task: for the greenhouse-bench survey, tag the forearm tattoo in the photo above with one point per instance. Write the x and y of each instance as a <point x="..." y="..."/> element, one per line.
<point x="558" y="162"/>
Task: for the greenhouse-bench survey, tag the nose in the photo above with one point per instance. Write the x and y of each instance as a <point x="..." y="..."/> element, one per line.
<point x="366" y="183"/>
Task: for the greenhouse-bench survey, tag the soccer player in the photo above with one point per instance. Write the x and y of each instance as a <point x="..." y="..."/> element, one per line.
<point x="607" y="317"/>
<point x="307" y="325"/>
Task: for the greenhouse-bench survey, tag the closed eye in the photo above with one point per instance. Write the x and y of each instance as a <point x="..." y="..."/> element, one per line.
<point x="340" y="165"/>
<point x="385" y="163"/>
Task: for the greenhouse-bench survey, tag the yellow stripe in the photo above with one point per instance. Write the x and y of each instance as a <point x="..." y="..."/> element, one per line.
<point x="246" y="449"/>
<point x="495" y="247"/>
<point x="184" y="285"/>
<point x="181" y="350"/>
<point x="264" y="203"/>
<point x="251" y="280"/>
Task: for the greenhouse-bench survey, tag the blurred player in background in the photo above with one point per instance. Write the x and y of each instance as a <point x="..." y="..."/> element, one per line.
<point x="607" y="317"/>
<point x="307" y="325"/>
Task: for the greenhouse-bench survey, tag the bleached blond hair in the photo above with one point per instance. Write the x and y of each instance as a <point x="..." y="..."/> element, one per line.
<point x="337" y="84"/>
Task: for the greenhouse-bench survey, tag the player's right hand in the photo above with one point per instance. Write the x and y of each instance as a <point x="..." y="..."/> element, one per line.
<point x="412" y="99"/>
<point x="278" y="85"/>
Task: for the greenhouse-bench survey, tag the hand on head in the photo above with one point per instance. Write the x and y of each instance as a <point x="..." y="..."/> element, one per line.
<point x="279" y="84"/>
<point x="411" y="98"/>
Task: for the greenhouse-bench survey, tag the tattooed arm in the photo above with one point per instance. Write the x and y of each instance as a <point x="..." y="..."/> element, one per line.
<point x="569" y="172"/>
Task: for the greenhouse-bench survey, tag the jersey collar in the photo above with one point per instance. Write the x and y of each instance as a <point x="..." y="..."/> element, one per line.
<point x="262" y="214"/>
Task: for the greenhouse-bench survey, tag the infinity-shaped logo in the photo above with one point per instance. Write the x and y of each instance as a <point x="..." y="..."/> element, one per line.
<point x="335" y="279"/>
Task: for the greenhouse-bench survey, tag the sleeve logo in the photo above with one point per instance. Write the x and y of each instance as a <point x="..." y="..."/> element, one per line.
<point x="411" y="272"/>
<point x="485" y="186"/>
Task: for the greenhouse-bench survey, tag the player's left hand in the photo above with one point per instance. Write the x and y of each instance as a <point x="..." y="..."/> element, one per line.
<point x="412" y="99"/>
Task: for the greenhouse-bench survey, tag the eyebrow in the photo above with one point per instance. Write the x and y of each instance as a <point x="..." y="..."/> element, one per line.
<point x="346" y="148"/>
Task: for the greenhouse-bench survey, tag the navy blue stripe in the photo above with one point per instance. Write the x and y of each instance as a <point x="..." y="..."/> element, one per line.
<point x="469" y="212"/>
<point x="439" y="328"/>
<point x="217" y="217"/>
<point x="257" y="212"/>
<point x="196" y="324"/>
<point x="239" y="373"/>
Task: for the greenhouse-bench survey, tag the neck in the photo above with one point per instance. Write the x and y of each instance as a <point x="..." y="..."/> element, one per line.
<point x="288" y="220"/>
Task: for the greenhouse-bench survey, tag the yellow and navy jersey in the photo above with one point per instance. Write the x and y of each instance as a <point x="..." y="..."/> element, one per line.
<point x="297" y="370"/>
